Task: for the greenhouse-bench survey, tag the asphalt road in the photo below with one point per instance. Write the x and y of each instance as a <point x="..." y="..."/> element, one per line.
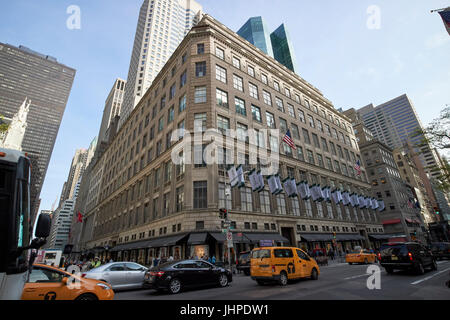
<point x="338" y="281"/>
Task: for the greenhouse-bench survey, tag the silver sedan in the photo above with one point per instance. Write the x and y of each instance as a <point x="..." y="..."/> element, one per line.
<point x="120" y="275"/>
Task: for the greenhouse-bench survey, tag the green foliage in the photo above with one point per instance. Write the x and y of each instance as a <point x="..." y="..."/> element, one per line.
<point x="3" y="126"/>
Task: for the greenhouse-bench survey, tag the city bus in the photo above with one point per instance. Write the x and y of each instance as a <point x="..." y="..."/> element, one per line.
<point x="15" y="224"/>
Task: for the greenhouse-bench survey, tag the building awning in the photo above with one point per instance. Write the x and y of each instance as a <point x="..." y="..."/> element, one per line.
<point x="349" y="237"/>
<point x="167" y="241"/>
<point x="131" y="246"/>
<point x="393" y="221"/>
<point x="197" y="238"/>
<point x="310" y="237"/>
<point x="256" y="237"/>
<point x="379" y="236"/>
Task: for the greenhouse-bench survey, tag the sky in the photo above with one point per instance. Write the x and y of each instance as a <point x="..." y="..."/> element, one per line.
<point x="355" y="52"/>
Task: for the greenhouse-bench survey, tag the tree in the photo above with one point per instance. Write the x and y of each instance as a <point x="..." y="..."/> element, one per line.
<point x="3" y="125"/>
<point x="437" y="136"/>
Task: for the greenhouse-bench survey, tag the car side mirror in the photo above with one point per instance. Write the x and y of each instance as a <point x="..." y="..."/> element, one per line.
<point x="64" y="281"/>
<point x="43" y="226"/>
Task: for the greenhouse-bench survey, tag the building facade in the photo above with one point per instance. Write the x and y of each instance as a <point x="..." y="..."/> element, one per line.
<point x="162" y="24"/>
<point x="46" y="84"/>
<point x="112" y="108"/>
<point x="256" y="32"/>
<point x="76" y="171"/>
<point x="149" y="206"/>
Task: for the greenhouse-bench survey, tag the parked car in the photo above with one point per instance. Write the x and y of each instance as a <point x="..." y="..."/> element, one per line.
<point x="280" y="264"/>
<point x="441" y="250"/>
<point x="177" y="275"/>
<point x="120" y="275"/>
<point x="51" y="283"/>
<point x="360" y="256"/>
<point x="406" y="256"/>
<point x="244" y="262"/>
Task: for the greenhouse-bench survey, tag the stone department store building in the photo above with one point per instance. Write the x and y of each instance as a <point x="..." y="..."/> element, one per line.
<point x="148" y="206"/>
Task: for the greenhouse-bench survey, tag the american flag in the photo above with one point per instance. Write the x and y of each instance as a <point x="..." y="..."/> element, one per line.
<point x="358" y="167"/>
<point x="288" y="139"/>
<point x="445" y="15"/>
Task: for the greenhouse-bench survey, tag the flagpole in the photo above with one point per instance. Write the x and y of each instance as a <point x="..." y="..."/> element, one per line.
<point x="431" y="11"/>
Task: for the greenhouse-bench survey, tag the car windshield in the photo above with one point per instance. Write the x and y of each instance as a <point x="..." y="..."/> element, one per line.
<point x="355" y="251"/>
<point x="244" y="256"/>
<point x="395" y="249"/>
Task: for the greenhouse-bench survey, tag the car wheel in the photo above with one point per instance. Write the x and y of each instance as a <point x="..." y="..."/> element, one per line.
<point x="247" y="272"/>
<point x="350" y="263"/>
<point x="174" y="286"/>
<point x="314" y="274"/>
<point x="223" y="280"/>
<point x="420" y="268"/>
<point x="283" y="279"/>
<point x="389" y="270"/>
<point x="87" y="297"/>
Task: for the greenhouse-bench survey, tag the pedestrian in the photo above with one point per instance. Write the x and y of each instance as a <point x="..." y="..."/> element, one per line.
<point x="213" y="259"/>
<point x="170" y="259"/>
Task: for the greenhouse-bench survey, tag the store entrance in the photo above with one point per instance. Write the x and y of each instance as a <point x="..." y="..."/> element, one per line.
<point x="288" y="233"/>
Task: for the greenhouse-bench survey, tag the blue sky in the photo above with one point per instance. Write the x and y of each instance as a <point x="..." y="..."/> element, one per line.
<point x="351" y="64"/>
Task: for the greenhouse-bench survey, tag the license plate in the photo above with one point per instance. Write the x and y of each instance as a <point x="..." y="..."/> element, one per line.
<point x="394" y="258"/>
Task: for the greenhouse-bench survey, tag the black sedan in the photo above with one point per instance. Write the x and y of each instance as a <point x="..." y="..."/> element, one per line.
<point x="177" y="275"/>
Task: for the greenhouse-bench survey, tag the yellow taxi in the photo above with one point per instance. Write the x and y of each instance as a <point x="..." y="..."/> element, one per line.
<point x="360" y="255"/>
<point x="280" y="264"/>
<point x="51" y="283"/>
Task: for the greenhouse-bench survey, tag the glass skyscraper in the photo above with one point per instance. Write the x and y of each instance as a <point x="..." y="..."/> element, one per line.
<point x="276" y="44"/>
<point x="256" y="32"/>
<point x="25" y="73"/>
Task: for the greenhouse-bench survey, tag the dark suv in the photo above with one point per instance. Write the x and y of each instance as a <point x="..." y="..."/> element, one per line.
<point x="244" y="262"/>
<point x="406" y="256"/>
<point x="441" y="250"/>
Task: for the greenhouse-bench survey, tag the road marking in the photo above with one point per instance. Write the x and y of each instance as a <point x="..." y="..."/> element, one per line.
<point x="429" y="277"/>
<point x="440" y="262"/>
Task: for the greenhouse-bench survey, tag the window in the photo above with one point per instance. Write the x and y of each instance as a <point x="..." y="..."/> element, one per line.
<point x="301" y="116"/>
<point x="287" y="92"/>
<point x="267" y="98"/>
<point x="200" y="95"/>
<point x="315" y="140"/>
<point x="295" y="132"/>
<point x="300" y="155"/>
<point x="223" y="124"/>
<point x="183" y="79"/>
<point x="256" y="113"/>
<point x="200" y="194"/>
<point x="291" y="110"/>
<point x="180" y="166"/>
<point x="253" y="90"/>
<point x="182" y="104"/>
<point x="199" y="160"/>
<point x="310" y="156"/>
<point x="242" y="134"/>
<point x="264" y="78"/>
<point x="172" y="91"/>
<point x="276" y="85"/>
<point x="199" y="225"/>
<point x="270" y="120"/>
<point x="324" y="144"/>
<point x="170" y="114"/>
<point x="319" y="125"/>
<point x="251" y="71"/>
<point x="246" y="199"/>
<point x="179" y="199"/>
<point x="281" y="204"/>
<point x="279" y="104"/>
<point x="220" y="53"/>
<point x="221" y="74"/>
<point x="240" y="106"/>
<point x="200" y="48"/>
<point x="329" y="164"/>
<point x="221" y="98"/>
<point x="236" y="62"/>
<point x="200" y="69"/>
<point x="161" y="124"/>
<point x="311" y="121"/>
<point x="306" y="136"/>
<point x="295" y="206"/>
<point x="199" y="122"/>
<point x="283" y="125"/>
<point x="264" y="200"/>
<point x="320" y="160"/>
<point x="238" y="83"/>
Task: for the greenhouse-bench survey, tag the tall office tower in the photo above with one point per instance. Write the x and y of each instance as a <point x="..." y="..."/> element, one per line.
<point x="162" y="25"/>
<point x="393" y="123"/>
<point x="112" y="108"/>
<point x="75" y="173"/>
<point x="62" y="221"/>
<point x="257" y="33"/>
<point x="276" y="44"/>
<point x="283" y="50"/>
<point x="144" y="205"/>
<point x="45" y="84"/>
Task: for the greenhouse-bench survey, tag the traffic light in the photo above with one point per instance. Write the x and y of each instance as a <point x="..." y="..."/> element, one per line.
<point x="436" y="210"/>
<point x="223" y="213"/>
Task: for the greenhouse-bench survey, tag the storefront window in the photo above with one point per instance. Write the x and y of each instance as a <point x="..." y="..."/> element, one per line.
<point x="197" y="252"/>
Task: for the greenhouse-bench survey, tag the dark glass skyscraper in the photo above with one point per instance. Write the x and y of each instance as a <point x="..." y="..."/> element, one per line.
<point x="47" y="83"/>
<point x="283" y="50"/>
<point x="276" y="44"/>
<point x="256" y="32"/>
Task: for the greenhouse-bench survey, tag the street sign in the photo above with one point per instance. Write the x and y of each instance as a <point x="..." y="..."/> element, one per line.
<point x="265" y="243"/>
<point x="230" y="239"/>
<point x="224" y="231"/>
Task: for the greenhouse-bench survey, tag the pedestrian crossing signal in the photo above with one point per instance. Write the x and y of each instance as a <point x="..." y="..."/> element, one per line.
<point x="223" y="213"/>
